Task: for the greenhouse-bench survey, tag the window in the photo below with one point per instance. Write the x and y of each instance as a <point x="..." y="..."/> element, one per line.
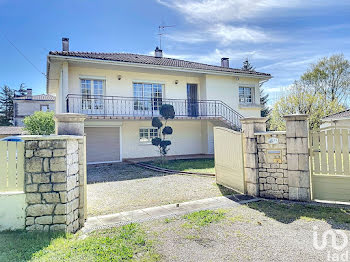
<point x="146" y="134"/>
<point x="147" y="96"/>
<point x="92" y="91"/>
<point x="44" y="108"/>
<point x="245" y="95"/>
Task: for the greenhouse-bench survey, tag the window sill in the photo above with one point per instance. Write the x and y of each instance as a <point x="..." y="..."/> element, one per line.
<point x="249" y="105"/>
<point x="145" y="143"/>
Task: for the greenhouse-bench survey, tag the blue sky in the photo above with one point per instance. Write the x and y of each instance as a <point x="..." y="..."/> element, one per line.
<point x="278" y="36"/>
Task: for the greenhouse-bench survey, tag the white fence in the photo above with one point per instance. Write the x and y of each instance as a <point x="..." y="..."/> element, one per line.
<point x="11" y="166"/>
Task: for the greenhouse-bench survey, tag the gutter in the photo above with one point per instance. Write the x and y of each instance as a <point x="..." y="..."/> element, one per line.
<point x="169" y="68"/>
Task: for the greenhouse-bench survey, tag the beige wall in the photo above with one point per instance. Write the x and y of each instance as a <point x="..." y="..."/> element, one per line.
<point x="186" y="139"/>
<point x="225" y="88"/>
<point x="123" y="87"/>
<point x="12" y="211"/>
<point x="210" y="87"/>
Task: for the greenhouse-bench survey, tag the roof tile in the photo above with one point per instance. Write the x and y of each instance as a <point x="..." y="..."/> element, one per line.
<point x="151" y="60"/>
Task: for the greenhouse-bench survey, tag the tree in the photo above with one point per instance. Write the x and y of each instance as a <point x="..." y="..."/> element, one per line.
<point x="330" y="77"/>
<point x="40" y="123"/>
<point x="247" y="66"/>
<point x="301" y="100"/>
<point x="6" y="105"/>
<point x="264" y="98"/>
<point x="167" y="112"/>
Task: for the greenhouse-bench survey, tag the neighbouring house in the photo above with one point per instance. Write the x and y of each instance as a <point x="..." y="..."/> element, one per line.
<point x="340" y="119"/>
<point x="27" y="105"/>
<point x="121" y="92"/>
<point x="6" y="131"/>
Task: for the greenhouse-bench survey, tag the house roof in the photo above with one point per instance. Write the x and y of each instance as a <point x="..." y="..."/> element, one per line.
<point x="151" y="60"/>
<point x="339" y="115"/>
<point x="11" y="130"/>
<point x="42" y="97"/>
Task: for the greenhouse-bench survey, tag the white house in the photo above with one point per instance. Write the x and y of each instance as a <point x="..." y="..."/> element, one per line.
<point x="28" y="104"/>
<point x="340" y="119"/>
<point x="120" y="93"/>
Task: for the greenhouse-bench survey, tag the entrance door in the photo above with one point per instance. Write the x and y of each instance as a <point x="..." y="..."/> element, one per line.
<point x="229" y="169"/>
<point x="192" y="106"/>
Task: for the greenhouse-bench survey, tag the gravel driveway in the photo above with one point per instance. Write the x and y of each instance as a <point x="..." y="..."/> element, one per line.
<point x="121" y="187"/>
<point x="245" y="234"/>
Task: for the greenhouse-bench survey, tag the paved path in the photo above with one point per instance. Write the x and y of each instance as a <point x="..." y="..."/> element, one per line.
<point x="146" y="214"/>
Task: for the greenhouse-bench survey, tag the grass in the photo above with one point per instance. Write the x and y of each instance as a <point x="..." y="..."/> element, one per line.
<point x="125" y="243"/>
<point x="202" y="218"/>
<point x="188" y="165"/>
<point x="287" y="213"/>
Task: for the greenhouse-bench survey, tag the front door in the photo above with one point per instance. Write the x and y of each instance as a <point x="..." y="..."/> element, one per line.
<point x="192" y="106"/>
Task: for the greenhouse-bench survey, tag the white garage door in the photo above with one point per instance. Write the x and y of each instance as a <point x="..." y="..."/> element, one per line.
<point x="102" y="144"/>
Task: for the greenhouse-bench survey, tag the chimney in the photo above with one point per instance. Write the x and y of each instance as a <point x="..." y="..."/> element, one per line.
<point x="225" y="62"/>
<point x="29" y="93"/>
<point x="158" y="52"/>
<point x="65" y="44"/>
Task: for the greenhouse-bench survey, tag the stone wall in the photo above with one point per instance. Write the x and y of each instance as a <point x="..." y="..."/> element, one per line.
<point x="273" y="176"/>
<point x="286" y="177"/>
<point x="54" y="178"/>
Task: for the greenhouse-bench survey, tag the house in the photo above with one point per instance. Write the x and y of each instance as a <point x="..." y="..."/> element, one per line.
<point x="340" y="119"/>
<point x="121" y="92"/>
<point x="6" y="131"/>
<point x="27" y="105"/>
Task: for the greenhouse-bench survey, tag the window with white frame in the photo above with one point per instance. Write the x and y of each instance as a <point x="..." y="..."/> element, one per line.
<point x="148" y="96"/>
<point x="245" y="95"/>
<point x="92" y="92"/>
<point x="44" y="108"/>
<point x="146" y="134"/>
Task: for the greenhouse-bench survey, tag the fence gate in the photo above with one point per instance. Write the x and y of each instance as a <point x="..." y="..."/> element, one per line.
<point x="329" y="161"/>
<point x="228" y="150"/>
<point x="11" y="166"/>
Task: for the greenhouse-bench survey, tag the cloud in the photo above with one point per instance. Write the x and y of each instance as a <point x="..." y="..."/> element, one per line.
<point x="230" y="10"/>
<point x="224" y="35"/>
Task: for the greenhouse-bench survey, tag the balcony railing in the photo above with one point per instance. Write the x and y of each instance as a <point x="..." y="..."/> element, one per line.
<point x="109" y="106"/>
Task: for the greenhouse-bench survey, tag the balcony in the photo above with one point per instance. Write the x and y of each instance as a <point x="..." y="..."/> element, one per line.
<point x="116" y="107"/>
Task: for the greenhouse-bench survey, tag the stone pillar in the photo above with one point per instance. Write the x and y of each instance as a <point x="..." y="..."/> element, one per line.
<point x="251" y="167"/>
<point x="73" y="124"/>
<point x="298" y="157"/>
<point x="70" y="124"/>
<point x="52" y="183"/>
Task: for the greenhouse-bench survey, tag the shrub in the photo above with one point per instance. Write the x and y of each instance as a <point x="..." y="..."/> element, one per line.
<point x="40" y="123"/>
<point x="167" y="112"/>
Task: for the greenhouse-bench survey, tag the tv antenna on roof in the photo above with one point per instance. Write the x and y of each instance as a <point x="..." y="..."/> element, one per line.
<point x="161" y="32"/>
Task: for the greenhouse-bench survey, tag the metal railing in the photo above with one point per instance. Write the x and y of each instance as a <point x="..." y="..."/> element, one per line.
<point x="95" y="105"/>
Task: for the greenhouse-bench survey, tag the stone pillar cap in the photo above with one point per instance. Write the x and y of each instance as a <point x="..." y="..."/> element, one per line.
<point x="299" y="117"/>
<point x="253" y="120"/>
<point x="70" y="117"/>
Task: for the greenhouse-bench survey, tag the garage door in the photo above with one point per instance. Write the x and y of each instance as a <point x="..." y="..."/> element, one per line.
<point x="102" y="144"/>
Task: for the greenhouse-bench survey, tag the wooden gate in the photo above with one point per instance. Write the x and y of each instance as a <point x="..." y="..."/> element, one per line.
<point x="229" y="168"/>
<point x="329" y="161"/>
<point x="11" y="166"/>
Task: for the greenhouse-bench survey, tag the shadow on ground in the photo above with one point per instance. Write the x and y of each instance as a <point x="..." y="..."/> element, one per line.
<point x="21" y="245"/>
<point x="286" y="212"/>
<point x="118" y="172"/>
<point x="112" y="172"/>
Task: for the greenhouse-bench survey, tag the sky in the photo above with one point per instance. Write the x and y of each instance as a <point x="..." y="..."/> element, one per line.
<point x="279" y="37"/>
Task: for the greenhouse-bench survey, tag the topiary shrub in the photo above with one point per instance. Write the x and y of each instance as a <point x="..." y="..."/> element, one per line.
<point x="40" y="123"/>
<point x="167" y="112"/>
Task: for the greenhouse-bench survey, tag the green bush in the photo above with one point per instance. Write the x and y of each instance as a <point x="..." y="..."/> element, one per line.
<point x="40" y="123"/>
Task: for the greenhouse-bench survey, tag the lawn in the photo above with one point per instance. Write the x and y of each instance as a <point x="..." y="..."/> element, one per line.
<point x="125" y="243"/>
<point x="205" y="165"/>
<point x="255" y="231"/>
